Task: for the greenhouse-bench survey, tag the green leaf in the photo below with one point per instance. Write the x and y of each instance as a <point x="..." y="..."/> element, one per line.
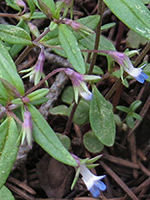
<point x="3" y="94"/>
<point x="92" y="143"/>
<point x="90" y="21"/>
<point x="16" y="48"/>
<point x="14" y="35"/>
<point x="59" y="110"/>
<point x="96" y="69"/>
<point x="12" y="4"/>
<point x="47" y="6"/>
<point x="51" y="38"/>
<point x="130" y="121"/>
<point x="40" y="101"/>
<point x="47" y="139"/>
<point x="123" y="109"/>
<point x="5" y="194"/>
<point x="136" y="116"/>
<point x="108" y="26"/>
<point x="8" y="148"/>
<point x="102" y="118"/>
<point x="134" y="40"/>
<point x="65" y="140"/>
<point x="132" y="13"/>
<point x="71" y="48"/>
<point x="31" y="6"/>
<point x="68" y="95"/>
<point x="81" y="115"/>
<point x="38" y="94"/>
<point x="104" y="43"/>
<point x="8" y="70"/>
<point x="135" y="105"/>
<point x="38" y="15"/>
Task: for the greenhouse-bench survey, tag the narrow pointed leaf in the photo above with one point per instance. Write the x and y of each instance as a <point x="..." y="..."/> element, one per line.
<point x="132" y="13"/>
<point x="47" y="139"/>
<point x="102" y="118"/>
<point x="70" y="46"/>
<point x="14" y="35"/>
<point x="12" y="4"/>
<point x="8" y="69"/>
<point x="8" y="148"/>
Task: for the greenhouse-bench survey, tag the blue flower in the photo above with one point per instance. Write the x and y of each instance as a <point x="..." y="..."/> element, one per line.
<point x="92" y="182"/>
<point x="137" y="73"/>
<point x="79" y="84"/>
<point x="123" y="60"/>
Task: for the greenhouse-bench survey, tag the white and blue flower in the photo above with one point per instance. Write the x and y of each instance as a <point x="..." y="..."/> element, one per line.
<point x="123" y="60"/>
<point x="79" y="84"/>
<point x="92" y="182"/>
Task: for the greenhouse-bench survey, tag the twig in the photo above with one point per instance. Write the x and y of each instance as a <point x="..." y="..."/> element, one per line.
<point x="119" y="181"/>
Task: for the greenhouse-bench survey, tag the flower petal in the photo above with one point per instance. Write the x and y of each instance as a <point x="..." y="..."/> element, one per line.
<point x="100" y="185"/>
<point x="87" y="95"/>
<point x="95" y="191"/>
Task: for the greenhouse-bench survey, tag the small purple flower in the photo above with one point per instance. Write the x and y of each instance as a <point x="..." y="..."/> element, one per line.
<point x="123" y="60"/>
<point x="92" y="182"/>
<point x="27" y="128"/>
<point x="36" y="72"/>
<point x="79" y="84"/>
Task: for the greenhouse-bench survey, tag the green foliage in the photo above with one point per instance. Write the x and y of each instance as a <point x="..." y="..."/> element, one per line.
<point x="70" y="39"/>
<point x="7" y="68"/>
<point x="102" y="119"/>
<point x="47" y="139"/>
<point x="14" y="35"/>
<point x="8" y="148"/>
<point x="71" y="48"/>
<point x="13" y="4"/>
<point x="81" y="115"/>
<point x="67" y="95"/>
<point x="65" y="140"/>
<point x="92" y="143"/>
<point x="131" y="115"/>
<point x="38" y="94"/>
<point x="5" y="194"/>
<point x="132" y="13"/>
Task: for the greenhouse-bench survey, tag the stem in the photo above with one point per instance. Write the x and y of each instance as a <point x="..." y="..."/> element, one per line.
<point x="69" y="122"/>
<point x="15" y="117"/>
<point x="142" y="54"/>
<point x="9" y="15"/>
<point x="98" y="33"/>
<point x="43" y="80"/>
<point x="29" y="48"/>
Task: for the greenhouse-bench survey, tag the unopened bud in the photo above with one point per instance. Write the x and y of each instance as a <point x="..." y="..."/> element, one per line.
<point x="34" y="30"/>
<point x="20" y="3"/>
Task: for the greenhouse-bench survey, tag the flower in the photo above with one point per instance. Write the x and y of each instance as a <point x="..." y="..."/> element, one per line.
<point x="123" y="60"/>
<point x="27" y="128"/>
<point x="92" y="182"/>
<point x="79" y="84"/>
<point x="76" y="26"/>
<point x="36" y="72"/>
